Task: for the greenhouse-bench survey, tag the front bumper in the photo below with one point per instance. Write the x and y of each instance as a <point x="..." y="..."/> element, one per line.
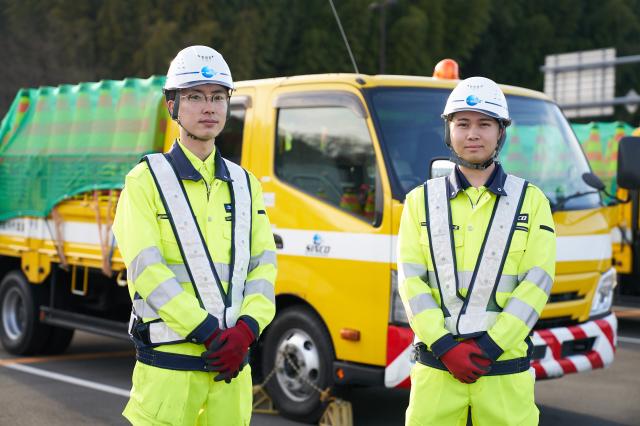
<point x="557" y="351"/>
<point x="583" y="347"/>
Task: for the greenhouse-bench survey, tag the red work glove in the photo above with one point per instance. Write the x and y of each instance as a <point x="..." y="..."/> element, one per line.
<point x="466" y="361"/>
<point x="230" y="350"/>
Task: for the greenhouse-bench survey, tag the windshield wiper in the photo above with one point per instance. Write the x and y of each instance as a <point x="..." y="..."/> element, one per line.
<point x="563" y="200"/>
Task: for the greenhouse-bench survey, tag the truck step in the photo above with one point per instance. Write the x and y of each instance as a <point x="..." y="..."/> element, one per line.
<point x="105" y="327"/>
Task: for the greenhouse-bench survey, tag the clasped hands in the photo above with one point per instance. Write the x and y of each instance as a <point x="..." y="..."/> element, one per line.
<point x="227" y="350"/>
<point x="466" y="361"/>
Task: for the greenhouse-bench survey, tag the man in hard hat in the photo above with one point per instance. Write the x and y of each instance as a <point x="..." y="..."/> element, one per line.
<point x="200" y="257"/>
<point x="476" y="262"/>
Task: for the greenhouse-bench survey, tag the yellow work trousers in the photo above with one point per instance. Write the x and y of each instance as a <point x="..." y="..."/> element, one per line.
<point x="187" y="398"/>
<point x="438" y="399"/>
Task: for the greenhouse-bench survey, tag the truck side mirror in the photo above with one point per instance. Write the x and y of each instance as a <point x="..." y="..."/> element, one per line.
<point x="629" y="162"/>
<point x="593" y="181"/>
<point x="440" y="167"/>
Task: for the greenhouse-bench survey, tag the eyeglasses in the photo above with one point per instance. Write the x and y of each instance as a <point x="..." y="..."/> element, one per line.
<point x="200" y="98"/>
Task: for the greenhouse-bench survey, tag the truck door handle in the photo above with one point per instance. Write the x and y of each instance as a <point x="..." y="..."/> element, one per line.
<point x="278" y="240"/>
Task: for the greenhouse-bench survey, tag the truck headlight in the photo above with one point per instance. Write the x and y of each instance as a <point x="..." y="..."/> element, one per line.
<point x="397" y="314"/>
<point x="603" y="296"/>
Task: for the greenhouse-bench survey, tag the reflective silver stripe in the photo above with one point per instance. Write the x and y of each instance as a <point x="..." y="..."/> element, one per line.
<point x="432" y="279"/>
<point x="263" y="287"/>
<point x="182" y="275"/>
<point x="441" y="244"/>
<point x="522" y="311"/>
<point x="267" y="257"/>
<point x="421" y="303"/>
<point x="147" y="257"/>
<point x="540" y="278"/>
<point x="412" y="270"/>
<point x="163" y="293"/>
<point x="241" y="240"/>
<point x="507" y="283"/>
<point x="142" y="310"/>
<point x="489" y="266"/>
<point x="159" y="332"/>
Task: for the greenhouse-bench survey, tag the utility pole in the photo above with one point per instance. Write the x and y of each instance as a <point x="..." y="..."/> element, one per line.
<point x="382" y="48"/>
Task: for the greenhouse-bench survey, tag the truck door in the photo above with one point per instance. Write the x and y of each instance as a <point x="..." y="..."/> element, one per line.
<point x="325" y="198"/>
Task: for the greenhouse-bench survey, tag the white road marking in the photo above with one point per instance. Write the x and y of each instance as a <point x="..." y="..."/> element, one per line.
<point x="69" y="379"/>
<point x="624" y="339"/>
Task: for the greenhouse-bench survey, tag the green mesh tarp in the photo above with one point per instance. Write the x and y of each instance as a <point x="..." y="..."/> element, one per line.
<point x="57" y="142"/>
<point x="599" y="140"/>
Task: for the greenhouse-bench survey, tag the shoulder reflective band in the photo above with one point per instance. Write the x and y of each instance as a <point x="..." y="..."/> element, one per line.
<point x="474" y="316"/>
<point x="240" y="238"/>
<point x="442" y="252"/>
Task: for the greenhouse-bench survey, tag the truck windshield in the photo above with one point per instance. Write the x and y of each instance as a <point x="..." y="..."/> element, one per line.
<point x="540" y="145"/>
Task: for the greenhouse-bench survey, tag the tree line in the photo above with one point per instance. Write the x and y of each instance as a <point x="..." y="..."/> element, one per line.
<point x="68" y="41"/>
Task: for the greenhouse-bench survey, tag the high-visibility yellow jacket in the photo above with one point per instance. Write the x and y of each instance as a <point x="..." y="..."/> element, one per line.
<point x="141" y="223"/>
<point x="527" y="275"/>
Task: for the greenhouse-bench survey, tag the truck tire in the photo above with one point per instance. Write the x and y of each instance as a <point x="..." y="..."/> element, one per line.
<point x="21" y="332"/>
<point x="59" y="340"/>
<point x="300" y="333"/>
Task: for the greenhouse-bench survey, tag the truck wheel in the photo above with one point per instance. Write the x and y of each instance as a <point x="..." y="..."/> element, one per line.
<point x="59" y="340"/>
<point x="300" y="334"/>
<point x="21" y="332"/>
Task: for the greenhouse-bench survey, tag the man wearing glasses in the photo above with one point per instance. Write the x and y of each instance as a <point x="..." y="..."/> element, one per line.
<point x="201" y="266"/>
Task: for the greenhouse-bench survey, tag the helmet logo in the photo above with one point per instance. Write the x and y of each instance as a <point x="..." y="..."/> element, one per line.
<point x="473" y="100"/>
<point x="207" y="72"/>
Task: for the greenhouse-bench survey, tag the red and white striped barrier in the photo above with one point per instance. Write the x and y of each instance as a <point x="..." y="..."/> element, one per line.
<point x="552" y="364"/>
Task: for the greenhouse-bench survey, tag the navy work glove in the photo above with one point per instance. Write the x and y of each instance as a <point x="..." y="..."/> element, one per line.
<point x="228" y="351"/>
<point x="466" y="361"/>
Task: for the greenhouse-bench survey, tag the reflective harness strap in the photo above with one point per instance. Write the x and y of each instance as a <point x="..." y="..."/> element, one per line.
<point x="204" y="277"/>
<point x="443" y="255"/>
<point x="499" y="368"/>
<point x="199" y="266"/>
<point x="474" y="316"/>
<point x="241" y="240"/>
<point x="468" y="316"/>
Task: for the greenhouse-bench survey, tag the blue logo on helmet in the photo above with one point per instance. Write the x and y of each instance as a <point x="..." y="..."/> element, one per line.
<point x="207" y="72"/>
<point x="473" y="100"/>
<point x="317" y="239"/>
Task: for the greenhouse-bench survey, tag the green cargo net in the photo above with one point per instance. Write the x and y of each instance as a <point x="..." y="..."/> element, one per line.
<point x="58" y="142"/>
<point x="600" y="144"/>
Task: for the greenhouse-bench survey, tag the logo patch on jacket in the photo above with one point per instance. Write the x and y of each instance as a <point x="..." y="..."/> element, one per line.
<point x="524" y="218"/>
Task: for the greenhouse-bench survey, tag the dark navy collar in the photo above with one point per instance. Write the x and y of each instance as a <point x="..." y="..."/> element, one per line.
<point x="458" y="182"/>
<point x="186" y="171"/>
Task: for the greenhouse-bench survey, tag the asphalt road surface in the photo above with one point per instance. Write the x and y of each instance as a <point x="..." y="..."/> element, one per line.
<point x="89" y="385"/>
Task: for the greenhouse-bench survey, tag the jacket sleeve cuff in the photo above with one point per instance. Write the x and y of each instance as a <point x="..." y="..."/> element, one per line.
<point x="204" y="330"/>
<point x="443" y="345"/>
<point x="253" y="325"/>
<point x="489" y="346"/>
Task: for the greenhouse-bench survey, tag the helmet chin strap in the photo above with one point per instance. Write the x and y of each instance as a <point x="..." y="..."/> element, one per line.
<point x="476" y="166"/>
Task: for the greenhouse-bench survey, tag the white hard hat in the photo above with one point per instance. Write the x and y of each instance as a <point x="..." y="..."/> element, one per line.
<point x="197" y="65"/>
<point x="478" y="94"/>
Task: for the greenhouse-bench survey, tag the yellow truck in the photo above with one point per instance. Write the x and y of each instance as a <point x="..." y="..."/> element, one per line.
<point x="336" y="154"/>
<point x="601" y="142"/>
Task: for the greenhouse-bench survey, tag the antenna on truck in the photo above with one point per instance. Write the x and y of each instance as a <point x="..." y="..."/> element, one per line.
<point x="344" y="37"/>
